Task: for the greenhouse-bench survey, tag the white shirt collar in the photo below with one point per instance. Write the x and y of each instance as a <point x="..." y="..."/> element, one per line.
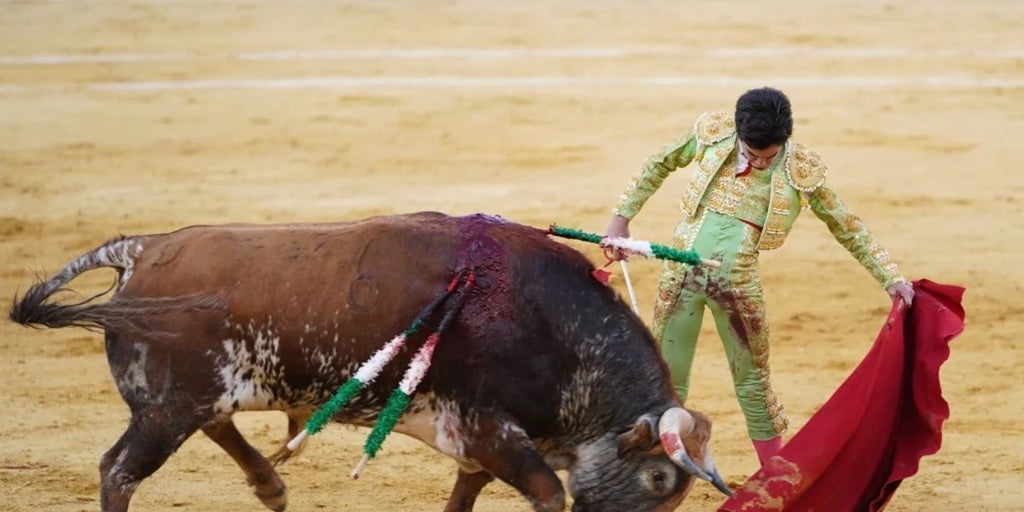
<point x="741" y="160"/>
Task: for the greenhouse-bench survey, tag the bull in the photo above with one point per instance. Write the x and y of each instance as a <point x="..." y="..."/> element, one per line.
<point x="541" y="369"/>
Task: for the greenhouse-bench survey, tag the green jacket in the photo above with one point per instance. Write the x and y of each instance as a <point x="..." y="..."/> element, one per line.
<point x="801" y="183"/>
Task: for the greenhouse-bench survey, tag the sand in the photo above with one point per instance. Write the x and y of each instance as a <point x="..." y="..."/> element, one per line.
<point x="145" y="117"/>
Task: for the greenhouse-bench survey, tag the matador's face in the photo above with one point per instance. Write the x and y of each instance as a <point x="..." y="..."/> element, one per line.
<point x="759" y="159"/>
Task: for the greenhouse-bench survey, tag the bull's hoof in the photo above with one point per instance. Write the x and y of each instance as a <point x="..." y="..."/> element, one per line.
<point x="280" y="457"/>
<point x="274" y="499"/>
<point x="283" y="454"/>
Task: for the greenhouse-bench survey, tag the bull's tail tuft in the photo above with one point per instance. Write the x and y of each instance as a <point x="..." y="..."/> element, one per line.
<point x="32" y="310"/>
<point x="35" y="309"/>
<point x="118" y="313"/>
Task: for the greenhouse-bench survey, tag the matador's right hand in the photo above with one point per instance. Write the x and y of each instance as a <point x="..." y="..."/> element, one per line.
<point x="617" y="228"/>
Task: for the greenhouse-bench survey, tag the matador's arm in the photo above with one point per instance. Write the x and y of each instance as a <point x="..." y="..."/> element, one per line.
<point x="853" y="235"/>
<point x="653" y="173"/>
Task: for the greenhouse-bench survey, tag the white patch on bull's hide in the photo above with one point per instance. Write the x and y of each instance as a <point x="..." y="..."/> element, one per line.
<point x="560" y="461"/>
<point x="440" y="428"/>
<point x="117" y="475"/>
<point x="324" y="361"/>
<point x="578" y="395"/>
<point x="591" y="459"/>
<point x="448" y="427"/>
<point x="511" y="431"/>
<point x="419" y="420"/>
<point x="445" y="431"/>
<point x="320" y="353"/>
<point x="132" y="380"/>
<point x="252" y="379"/>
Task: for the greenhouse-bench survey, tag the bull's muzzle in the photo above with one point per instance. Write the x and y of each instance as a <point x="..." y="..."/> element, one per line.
<point x="671" y="426"/>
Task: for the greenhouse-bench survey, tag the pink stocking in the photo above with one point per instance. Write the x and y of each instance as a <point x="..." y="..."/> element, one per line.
<point x="767" y="449"/>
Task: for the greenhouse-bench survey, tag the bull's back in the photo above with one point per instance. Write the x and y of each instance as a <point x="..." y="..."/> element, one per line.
<point x="352" y="279"/>
<point x="306" y="271"/>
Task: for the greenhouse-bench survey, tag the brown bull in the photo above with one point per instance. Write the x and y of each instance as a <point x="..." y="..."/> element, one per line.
<point x="541" y="369"/>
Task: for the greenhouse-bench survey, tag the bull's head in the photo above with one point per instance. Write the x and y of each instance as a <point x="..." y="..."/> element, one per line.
<point x="650" y="469"/>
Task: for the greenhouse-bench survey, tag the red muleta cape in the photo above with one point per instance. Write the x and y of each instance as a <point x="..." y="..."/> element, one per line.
<point x="854" y="452"/>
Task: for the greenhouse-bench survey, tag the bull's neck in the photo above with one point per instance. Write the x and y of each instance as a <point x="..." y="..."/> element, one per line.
<point x="620" y="377"/>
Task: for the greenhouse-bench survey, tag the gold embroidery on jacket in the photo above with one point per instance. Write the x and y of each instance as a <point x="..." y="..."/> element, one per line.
<point x="714" y="127"/>
<point x="777" y="224"/>
<point x="710" y="129"/>
<point x="804" y="168"/>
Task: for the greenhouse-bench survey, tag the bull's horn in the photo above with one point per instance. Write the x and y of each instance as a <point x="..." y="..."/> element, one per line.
<point x="716" y="479"/>
<point x="671" y="426"/>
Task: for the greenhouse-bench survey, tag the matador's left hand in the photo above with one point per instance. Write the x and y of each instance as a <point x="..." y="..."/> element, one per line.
<point x="903" y="290"/>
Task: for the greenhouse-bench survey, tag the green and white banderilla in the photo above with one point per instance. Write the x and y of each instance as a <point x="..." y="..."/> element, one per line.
<point x="631" y="246"/>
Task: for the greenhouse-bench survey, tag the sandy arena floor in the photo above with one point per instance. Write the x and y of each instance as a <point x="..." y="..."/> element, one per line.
<point x="147" y="116"/>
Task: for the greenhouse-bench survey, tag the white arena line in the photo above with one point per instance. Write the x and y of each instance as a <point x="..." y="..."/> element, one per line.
<point x="514" y="53"/>
<point x="99" y="58"/>
<point x="613" y="53"/>
<point x="400" y="82"/>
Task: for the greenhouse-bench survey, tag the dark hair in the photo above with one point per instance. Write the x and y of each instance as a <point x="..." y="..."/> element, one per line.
<point x="764" y="118"/>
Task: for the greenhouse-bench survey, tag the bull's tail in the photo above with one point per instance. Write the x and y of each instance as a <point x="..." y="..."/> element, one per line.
<point x="35" y="309"/>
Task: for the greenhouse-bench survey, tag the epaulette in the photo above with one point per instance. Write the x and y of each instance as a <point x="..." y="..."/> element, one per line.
<point x="804" y="169"/>
<point x="714" y="127"/>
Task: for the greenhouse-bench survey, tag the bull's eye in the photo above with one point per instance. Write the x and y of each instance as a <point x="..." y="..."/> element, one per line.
<point x="656" y="481"/>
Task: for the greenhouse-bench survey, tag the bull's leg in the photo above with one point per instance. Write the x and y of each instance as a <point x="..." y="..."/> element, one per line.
<point x="113" y="498"/>
<point x="503" y="449"/>
<point x="267" y="485"/>
<point x="296" y="422"/>
<point x="152" y="436"/>
<point x="467" y="488"/>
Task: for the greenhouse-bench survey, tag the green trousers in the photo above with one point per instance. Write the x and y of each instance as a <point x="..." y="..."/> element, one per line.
<point x="733" y="295"/>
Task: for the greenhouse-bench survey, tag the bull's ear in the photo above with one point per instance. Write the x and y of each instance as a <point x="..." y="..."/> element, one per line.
<point x="640" y="437"/>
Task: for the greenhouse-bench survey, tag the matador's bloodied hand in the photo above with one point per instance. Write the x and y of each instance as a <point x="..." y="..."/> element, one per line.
<point x="902" y="290"/>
